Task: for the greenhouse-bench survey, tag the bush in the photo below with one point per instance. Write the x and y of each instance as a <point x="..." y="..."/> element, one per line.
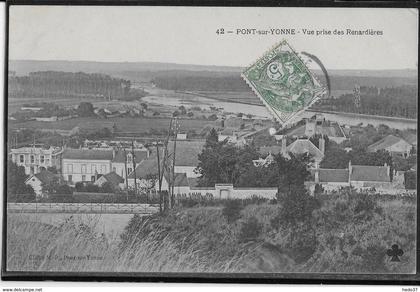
<point x="410" y="180"/>
<point x="232" y="210"/>
<point x="21" y="198"/>
<point x="250" y="230"/>
<point x="297" y="206"/>
<point x="61" y="198"/>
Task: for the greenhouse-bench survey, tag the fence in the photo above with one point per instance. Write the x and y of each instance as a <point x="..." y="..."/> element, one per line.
<point x="97" y="208"/>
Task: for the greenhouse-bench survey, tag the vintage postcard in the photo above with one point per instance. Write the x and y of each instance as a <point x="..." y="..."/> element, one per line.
<point x="239" y="142"/>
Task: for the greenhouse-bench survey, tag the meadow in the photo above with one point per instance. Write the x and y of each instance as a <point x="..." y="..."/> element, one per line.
<point x="124" y="124"/>
<point x="345" y="234"/>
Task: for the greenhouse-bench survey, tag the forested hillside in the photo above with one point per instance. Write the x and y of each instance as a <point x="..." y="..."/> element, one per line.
<point x="389" y="101"/>
<point x="55" y="84"/>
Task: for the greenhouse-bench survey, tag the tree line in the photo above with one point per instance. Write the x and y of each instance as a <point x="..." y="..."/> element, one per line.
<point x="398" y="101"/>
<point x="55" y="83"/>
<point x="202" y="83"/>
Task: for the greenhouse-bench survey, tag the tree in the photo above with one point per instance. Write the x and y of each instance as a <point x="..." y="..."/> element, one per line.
<point x="410" y="180"/>
<point x="183" y="110"/>
<point x="212" y="117"/>
<point x="292" y="172"/>
<point x="17" y="190"/>
<point x="232" y="210"/>
<point x="335" y="157"/>
<point x="85" y="109"/>
<point x="217" y="161"/>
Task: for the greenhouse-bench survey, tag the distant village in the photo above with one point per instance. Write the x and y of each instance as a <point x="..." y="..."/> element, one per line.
<point x="127" y="164"/>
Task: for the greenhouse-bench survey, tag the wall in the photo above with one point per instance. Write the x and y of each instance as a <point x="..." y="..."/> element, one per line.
<point x="334" y="186"/>
<point x="102" y="167"/>
<point x="241" y="193"/>
<point x="188" y="170"/>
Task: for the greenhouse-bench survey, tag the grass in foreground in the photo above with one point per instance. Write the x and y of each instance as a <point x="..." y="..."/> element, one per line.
<point x="345" y="234"/>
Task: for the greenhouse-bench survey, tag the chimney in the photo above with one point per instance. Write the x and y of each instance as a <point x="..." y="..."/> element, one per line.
<point x="283" y="145"/>
<point x="350" y="170"/>
<point x="322" y="144"/>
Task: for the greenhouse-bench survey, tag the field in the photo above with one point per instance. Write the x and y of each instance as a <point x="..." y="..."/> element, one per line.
<point x="14" y="104"/>
<point x="346" y="233"/>
<point x="124" y="124"/>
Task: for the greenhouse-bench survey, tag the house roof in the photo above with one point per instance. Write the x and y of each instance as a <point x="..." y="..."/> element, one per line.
<point x="385" y="142"/>
<point x="113" y="178"/>
<point x="369" y="173"/>
<point x="265" y="150"/>
<point x="147" y="167"/>
<point x="87" y="154"/>
<point x="301" y="146"/>
<point x="186" y="152"/>
<point x="44" y="176"/>
<point x="193" y="181"/>
<point x="181" y="179"/>
<point x="186" y="155"/>
<point x="139" y="155"/>
<point x="228" y="131"/>
<point x="333" y="175"/>
<point x="410" y="138"/>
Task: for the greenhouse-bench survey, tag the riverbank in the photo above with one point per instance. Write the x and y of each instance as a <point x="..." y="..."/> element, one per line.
<point x="236" y="105"/>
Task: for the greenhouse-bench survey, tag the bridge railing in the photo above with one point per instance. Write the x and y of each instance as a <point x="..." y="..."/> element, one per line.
<point x="82" y="208"/>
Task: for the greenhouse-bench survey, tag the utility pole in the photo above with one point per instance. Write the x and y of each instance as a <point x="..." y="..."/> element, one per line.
<point x="176" y="127"/>
<point x="126" y="173"/>
<point x="165" y="158"/>
<point x="159" y="177"/>
<point x="134" y="166"/>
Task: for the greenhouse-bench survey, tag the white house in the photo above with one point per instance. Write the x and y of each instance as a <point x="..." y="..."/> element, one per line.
<point x="36" y="181"/>
<point x="392" y="144"/>
<point x="83" y="165"/>
<point x="361" y="177"/>
<point x="36" y="159"/>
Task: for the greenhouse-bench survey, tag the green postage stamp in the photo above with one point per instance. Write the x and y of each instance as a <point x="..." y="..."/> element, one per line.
<point x="283" y="82"/>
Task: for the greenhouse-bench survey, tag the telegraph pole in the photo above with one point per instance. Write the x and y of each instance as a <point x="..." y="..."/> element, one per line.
<point x="176" y="127"/>
<point x="159" y="177"/>
<point x="126" y="173"/>
<point x="134" y="166"/>
<point x="165" y="158"/>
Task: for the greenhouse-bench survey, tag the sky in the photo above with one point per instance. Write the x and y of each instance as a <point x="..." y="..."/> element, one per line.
<point x="187" y="35"/>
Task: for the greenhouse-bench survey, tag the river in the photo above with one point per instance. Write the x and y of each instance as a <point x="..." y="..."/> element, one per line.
<point x="258" y="111"/>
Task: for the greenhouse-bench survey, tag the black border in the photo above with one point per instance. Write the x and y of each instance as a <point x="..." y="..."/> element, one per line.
<point x="254" y="278"/>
